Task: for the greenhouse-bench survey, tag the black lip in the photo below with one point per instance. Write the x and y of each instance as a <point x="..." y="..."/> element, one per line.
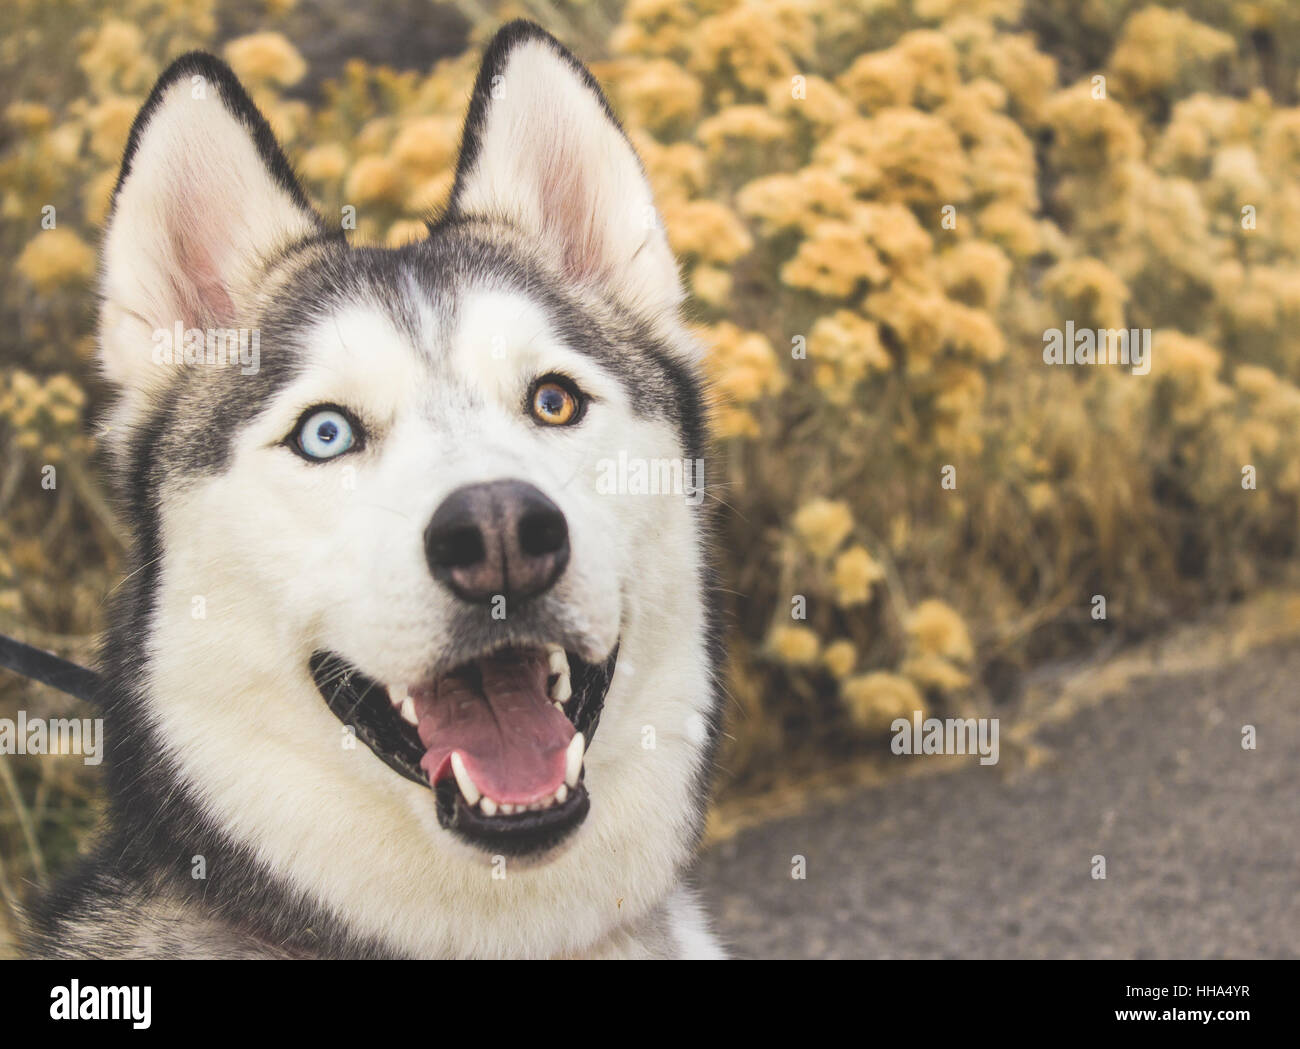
<point x="363" y="704"/>
<point x="522" y="834"/>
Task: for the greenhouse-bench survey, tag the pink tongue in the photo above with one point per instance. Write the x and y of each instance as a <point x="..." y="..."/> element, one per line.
<point x="509" y="734"/>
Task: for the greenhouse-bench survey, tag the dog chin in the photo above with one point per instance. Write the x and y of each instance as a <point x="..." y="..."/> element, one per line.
<point x="499" y="738"/>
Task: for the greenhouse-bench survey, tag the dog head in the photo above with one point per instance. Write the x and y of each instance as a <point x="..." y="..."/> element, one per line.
<point x="414" y="523"/>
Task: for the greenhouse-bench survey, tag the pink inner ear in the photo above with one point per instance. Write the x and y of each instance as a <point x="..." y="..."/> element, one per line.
<point x="568" y="210"/>
<point x="200" y="291"/>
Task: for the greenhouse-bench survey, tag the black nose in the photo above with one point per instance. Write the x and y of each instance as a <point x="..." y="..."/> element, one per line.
<point x="501" y="538"/>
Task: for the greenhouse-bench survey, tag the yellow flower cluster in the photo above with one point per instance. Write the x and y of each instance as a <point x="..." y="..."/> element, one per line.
<point x="653" y="93"/>
<point x="795" y="645"/>
<point x="822" y="525"/>
<point x="116" y="58"/>
<point x="742" y="369"/>
<point x="45" y="414"/>
<point x="1087" y="291"/>
<point x="845" y="347"/>
<point x="265" y="58"/>
<point x="874" y="700"/>
<point x="1161" y="47"/>
<point x="856" y="572"/>
<point x="706" y="230"/>
<point x="54" y="258"/>
<point x="938" y="630"/>
<point x="939" y="645"/>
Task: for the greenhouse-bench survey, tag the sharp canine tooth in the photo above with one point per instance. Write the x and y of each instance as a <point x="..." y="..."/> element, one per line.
<point x="408" y="711"/>
<point x="462" y="779"/>
<point x="561" y="795"/>
<point x="561" y="690"/>
<point x="573" y="759"/>
<point x="557" y="660"/>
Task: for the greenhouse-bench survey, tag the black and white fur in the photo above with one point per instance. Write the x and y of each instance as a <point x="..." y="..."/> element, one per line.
<point x="220" y="744"/>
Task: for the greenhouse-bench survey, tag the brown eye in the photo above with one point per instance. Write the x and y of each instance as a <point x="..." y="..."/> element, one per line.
<point x="554" y="403"/>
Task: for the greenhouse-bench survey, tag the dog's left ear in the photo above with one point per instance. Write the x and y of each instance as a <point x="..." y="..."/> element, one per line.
<point x="543" y="152"/>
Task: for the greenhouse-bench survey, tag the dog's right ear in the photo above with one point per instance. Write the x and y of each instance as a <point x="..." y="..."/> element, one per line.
<point x="205" y="197"/>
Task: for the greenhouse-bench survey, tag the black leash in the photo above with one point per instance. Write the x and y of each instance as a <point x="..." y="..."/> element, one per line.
<point x="50" y="669"/>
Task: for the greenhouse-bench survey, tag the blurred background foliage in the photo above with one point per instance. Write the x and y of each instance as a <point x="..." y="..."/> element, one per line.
<point x="804" y="154"/>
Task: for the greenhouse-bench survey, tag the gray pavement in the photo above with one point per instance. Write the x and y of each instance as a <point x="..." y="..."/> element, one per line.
<point x="1201" y="840"/>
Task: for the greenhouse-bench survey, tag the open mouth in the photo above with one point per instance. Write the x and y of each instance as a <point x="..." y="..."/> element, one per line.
<point x="500" y="739"/>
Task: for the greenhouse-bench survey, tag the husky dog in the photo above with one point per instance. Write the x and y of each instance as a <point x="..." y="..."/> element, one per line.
<point x="390" y="676"/>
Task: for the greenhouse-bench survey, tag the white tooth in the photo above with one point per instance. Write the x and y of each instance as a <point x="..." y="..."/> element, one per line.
<point x="488" y="806"/>
<point x="546" y="803"/>
<point x="557" y="660"/>
<point x="507" y="810"/>
<point x="573" y="759"/>
<point x="462" y="778"/>
<point x="397" y="695"/>
<point x="408" y="711"/>
<point x="561" y="690"/>
<point x="561" y="795"/>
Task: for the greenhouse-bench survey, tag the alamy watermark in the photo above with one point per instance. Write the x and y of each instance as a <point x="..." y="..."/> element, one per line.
<point x="946" y="736"/>
<point x="210" y="347"/>
<point x="84" y="736"/>
<point x="93" y="1002"/>
<point x="631" y="475"/>
<point x="1127" y="346"/>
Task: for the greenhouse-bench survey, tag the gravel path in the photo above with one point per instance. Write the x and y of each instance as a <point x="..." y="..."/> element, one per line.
<point x="1201" y="840"/>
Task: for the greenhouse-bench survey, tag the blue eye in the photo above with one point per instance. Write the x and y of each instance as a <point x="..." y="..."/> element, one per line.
<point x="325" y="434"/>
